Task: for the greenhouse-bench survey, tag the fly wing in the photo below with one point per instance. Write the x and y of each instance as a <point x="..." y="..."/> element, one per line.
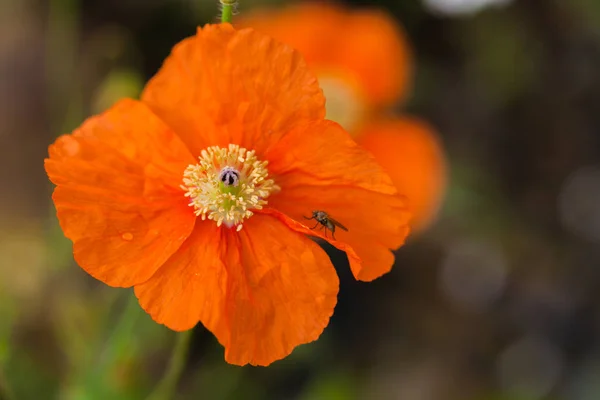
<point x="336" y="223"/>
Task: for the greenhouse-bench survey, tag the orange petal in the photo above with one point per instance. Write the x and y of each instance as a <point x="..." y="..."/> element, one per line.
<point x="262" y="291"/>
<point x="285" y="295"/>
<point x="353" y="258"/>
<point x="310" y="27"/>
<point x="117" y="195"/>
<point x="410" y="151"/>
<point x="367" y="44"/>
<point x="332" y="173"/>
<point x="225" y="86"/>
<point x="192" y="285"/>
<point x="376" y="47"/>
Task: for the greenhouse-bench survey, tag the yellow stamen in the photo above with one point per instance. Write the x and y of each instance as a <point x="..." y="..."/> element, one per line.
<point x="227" y="184"/>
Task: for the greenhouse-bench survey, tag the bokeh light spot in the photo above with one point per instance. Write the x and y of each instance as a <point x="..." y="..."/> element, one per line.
<point x="579" y="203"/>
<point x="529" y="368"/>
<point x="461" y="7"/>
<point x="473" y="274"/>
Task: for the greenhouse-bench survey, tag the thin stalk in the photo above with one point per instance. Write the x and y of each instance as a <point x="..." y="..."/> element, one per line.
<point x="166" y="388"/>
<point x="227" y="10"/>
<point x="5" y="391"/>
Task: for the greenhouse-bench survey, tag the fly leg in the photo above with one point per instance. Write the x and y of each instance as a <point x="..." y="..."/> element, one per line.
<point x="310" y="219"/>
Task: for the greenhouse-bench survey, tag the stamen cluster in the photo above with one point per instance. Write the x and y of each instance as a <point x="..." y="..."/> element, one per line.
<point x="227" y="184"/>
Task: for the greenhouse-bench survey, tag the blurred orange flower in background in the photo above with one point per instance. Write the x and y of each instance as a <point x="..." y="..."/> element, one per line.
<point x="230" y="133"/>
<point x="364" y="64"/>
<point x="411" y="153"/>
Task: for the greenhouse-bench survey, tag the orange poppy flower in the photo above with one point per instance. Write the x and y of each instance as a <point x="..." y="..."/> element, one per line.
<point x="230" y="133"/>
<point x="364" y="64"/>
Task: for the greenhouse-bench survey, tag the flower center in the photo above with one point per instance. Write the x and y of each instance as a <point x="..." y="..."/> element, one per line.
<point x="227" y="184"/>
<point x="344" y="102"/>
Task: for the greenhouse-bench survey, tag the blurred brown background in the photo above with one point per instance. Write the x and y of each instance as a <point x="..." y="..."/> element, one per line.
<point x="498" y="300"/>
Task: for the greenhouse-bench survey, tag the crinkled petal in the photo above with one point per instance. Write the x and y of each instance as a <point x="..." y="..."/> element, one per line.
<point x="225" y="86"/>
<point x="310" y="27"/>
<point x="285" y="293"/>
<point x="192" y="285"/>
<point x="354" y="260"/>
<point x="410" y="151"/>
<point x="268" y="290"/>
<point x="117" y="193"/>
<point x="332" y="173"/>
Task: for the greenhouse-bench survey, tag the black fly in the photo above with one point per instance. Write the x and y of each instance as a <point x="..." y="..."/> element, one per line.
<point x="327" y="222"/>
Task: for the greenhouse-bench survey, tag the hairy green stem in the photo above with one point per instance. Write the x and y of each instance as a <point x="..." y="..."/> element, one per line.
<point x="227" y="10"/>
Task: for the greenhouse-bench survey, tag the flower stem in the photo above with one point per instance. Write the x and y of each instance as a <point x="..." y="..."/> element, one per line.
<point x="5" y="391"/>
<point x="165" y="390"/>
<point x="227" y="10"/>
